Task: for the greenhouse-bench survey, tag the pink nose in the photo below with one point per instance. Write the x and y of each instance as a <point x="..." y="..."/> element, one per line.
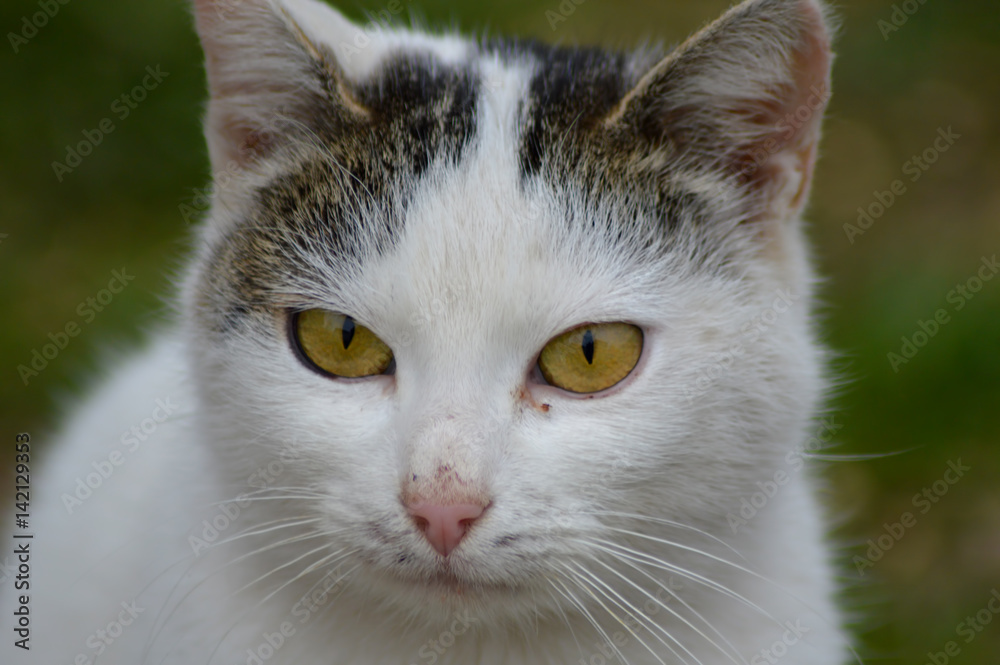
<point x="444" y="526"/>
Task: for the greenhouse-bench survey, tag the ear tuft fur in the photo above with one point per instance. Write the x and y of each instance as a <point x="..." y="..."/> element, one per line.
<point x="744" y="96"/>
<point x="269" y="79"/>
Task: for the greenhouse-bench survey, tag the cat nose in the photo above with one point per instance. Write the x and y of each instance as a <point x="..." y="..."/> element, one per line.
<point x="444" y="526"/>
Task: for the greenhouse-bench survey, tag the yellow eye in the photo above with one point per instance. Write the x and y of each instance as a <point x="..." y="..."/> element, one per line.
<point x="337" y="345"/>
<point x="591" y="357"/>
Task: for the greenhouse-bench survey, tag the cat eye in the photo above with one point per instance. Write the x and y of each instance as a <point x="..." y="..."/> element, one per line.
<point x="336" y="344"/>
<point x="591" y="357"/>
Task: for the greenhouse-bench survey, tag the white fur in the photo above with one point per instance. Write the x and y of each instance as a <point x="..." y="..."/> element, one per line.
<point x="484" y="275"/>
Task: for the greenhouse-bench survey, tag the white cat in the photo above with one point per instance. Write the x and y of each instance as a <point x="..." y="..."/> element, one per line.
<point x="492" y="353"/>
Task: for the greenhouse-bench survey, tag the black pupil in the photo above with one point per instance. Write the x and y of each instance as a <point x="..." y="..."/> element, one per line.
<point x="588" y="347"/>
<point x="347" y="331"/>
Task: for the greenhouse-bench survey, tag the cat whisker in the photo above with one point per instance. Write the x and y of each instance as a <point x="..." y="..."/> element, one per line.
<point x="327" y="602"/>
<point x="535" y="616"/>
<point x="328" y="560"/>
<point x="672" y="611"/>
<point x="271" y="525"/>
<point x="293" y="493"/>
<point x="579" y="605"/>
<point x="281" y="523"/>
<point x="290" y="488"/>
<point x="616" y="549"/>
<point x="709" y="555"/>
<point x="559" y="608"/>
<point x="639" y="616"/>
<point x="824" y="457"/>
<point x="309" y="535"/>
<point x="692" y="549"/>
<point x="323" y="561"/>
<point x="282" y="567"/>
<point x="679" y="599"/>
<point x="661" y="520"/>
<point x="332" y="557"/>
<point x="246" y="499"/>
<point x="736" y="566"/>
<point x="160" y="621"/>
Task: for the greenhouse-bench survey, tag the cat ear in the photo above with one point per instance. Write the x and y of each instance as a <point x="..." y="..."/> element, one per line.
<point x="743" y="97"/>
<point x="270" y="77"/>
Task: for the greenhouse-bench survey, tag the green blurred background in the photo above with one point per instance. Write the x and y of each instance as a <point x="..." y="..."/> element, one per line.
<point x="893" y="92"/>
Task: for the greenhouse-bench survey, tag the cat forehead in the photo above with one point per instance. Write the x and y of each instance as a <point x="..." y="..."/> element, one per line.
<point x="444" y="191"/>
<point x="525" y="112"/>
<point x="486" y="171"/>
<point x="450" y="145"/>
<point x="427" y="99"/>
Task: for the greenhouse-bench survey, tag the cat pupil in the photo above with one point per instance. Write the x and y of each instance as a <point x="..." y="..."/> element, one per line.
<point x="347" y="331"/>
<point x="588" y="347"/>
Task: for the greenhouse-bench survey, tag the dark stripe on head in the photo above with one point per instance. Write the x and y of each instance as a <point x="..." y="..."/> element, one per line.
<point x="351" y="183"/>
<point x="565" y="142"/>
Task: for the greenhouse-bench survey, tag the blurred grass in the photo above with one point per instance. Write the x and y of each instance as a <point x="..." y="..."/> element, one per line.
<point x="119" y="208"/>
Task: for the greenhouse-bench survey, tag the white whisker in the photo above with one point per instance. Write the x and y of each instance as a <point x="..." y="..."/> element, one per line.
<point x="642" y="557"/>
<point x="586" y="613"/>
<point x="671" y="610"/>
<point x="636" y="613"/>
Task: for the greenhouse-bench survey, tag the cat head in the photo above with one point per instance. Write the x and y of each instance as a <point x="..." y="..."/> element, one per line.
<point x="404" y="229"/>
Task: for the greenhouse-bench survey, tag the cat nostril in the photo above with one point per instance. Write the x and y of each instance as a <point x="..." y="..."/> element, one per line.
<point x="444" y="526"/>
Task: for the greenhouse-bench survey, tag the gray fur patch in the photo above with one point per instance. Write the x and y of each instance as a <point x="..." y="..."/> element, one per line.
<point x="347" y="188"/>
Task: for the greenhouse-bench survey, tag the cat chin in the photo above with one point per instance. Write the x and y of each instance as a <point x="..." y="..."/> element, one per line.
<point x="436" y="597"/>
<point x="448" y="586"/>
<point x="460" y="580"/>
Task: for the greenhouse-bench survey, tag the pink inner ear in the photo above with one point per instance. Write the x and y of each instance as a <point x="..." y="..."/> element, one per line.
<point x="790" y="119"/>
<point x="268" y="79"/>
<point x="241" y="141"/>
<point x="259" y="78"/>
<point x="744" y="97"/>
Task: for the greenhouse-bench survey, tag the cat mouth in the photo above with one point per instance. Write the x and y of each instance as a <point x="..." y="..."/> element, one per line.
<point x="448" y="573"/>
<point x="451" y="581"/>
<point x="447" y="586"/>
<point x="457" y="579"/>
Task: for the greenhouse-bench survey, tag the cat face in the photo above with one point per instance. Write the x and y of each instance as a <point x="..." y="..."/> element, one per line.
<point x="453" y="209"/>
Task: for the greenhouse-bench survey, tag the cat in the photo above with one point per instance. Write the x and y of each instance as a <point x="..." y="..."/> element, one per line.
<point x="490" y="353"/>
